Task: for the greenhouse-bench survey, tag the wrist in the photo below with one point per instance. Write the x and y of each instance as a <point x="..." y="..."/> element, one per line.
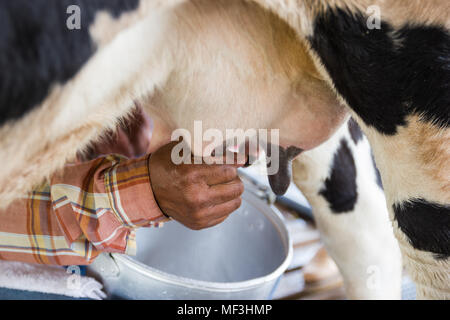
<point x="152" y="187"/>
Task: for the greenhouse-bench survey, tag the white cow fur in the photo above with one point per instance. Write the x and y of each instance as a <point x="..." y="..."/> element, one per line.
<point x="361" y="242"/>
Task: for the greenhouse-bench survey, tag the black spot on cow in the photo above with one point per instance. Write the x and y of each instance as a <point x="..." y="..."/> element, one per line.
<point x="426" y="224"/>
<point x="37" y="50"/>
<point x="386" y="74"/>
<point x="340" y="188"/>
<point x="355" y="131"/>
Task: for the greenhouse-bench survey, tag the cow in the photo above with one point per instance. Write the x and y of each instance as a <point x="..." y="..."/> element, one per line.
<point x="300" y="66"/>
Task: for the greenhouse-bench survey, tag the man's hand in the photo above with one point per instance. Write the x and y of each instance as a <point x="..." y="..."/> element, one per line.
<point x="198" y="195"/>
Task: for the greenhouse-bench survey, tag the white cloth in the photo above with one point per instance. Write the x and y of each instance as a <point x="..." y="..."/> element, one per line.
<point x="49" y="279"/>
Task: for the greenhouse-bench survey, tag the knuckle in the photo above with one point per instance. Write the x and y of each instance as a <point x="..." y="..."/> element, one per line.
<point x="235" y="191"/>
<point x="229" y="172"/>
<point x="197" y="216"/>
<point x="239" y="189"/>
<point x="237" y="203"/>
<point x="191" y="206"/>
<point x="200" y="199"/>
<point x="195" y="200"/>
<point x="189" y="202"/>
<point x="232" y="206"/>
<point x="192" y="176"/>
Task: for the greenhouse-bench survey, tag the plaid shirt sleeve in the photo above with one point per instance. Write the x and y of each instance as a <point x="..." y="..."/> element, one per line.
<point x="86" y="209"/>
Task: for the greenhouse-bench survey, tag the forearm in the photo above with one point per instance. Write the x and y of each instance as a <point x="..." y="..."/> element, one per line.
<point x="85" y="210"/>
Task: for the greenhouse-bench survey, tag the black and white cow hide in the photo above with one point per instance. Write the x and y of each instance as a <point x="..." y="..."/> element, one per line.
<point x="298" y="65"/>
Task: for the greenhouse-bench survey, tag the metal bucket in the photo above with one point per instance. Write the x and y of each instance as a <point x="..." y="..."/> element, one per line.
<point x="240" y="259"/>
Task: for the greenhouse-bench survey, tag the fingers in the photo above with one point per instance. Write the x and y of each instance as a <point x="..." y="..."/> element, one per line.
<point x="225" y="209"/>
<point x="202" y="201"/>
<point x="217" y="175"/>
<point x="222" y="193"/>
<point x="216" y="215"/>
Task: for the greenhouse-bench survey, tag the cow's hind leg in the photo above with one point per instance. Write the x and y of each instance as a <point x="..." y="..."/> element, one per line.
<point x="395" y="78"/>
<point x="415" y="171"/>
<point x="340" y="181"/>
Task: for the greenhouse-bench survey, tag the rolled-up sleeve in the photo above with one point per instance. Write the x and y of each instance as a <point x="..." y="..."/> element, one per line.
<point x="86" y="209"/>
